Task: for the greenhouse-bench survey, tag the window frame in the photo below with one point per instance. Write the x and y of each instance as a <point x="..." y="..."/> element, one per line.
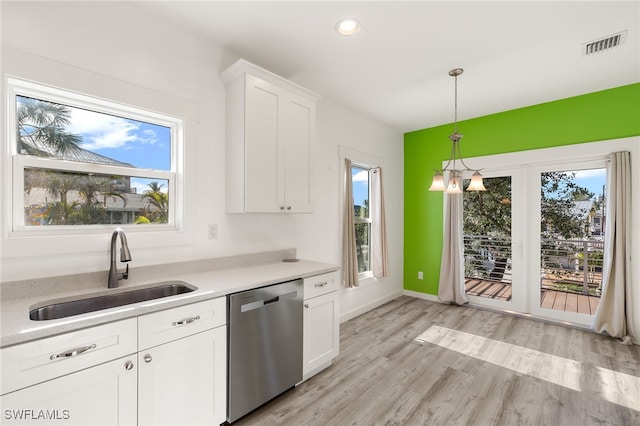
<point x="367" y="161"/>
<point x="367" y="220"/>
<point x="14" y="194"/>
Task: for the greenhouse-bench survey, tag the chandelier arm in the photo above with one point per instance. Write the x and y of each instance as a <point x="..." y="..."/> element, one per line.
<point x="452" y="157"/>
<point x="462" y="161"/>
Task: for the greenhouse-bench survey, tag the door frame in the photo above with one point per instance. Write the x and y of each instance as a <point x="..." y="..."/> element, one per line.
<point x="527" y="244"/>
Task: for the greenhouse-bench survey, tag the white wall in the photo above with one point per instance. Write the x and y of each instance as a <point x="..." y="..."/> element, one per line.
<point x="117" y="51"/>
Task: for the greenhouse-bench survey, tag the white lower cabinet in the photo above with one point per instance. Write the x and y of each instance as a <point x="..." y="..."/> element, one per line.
<point x="164" y="368"/>
<point x="321" y="335"/>
<point x="182" y="359"/>
<point x="86" y="377"/>
<point x="102" y="395"/>
<point x="184" y="382"/>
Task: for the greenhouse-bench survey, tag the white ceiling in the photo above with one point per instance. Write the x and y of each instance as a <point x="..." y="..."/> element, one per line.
<point x="395" y="69"/>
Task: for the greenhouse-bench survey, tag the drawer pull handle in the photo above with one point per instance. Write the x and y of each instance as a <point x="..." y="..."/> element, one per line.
<point x="322" y="284"/>
<point x="147" y="358"/>
<point x="128" y="365"/>
<point x="185" y="321"/>
<point x="306" y="305"/>
<point x="72" y="352"/>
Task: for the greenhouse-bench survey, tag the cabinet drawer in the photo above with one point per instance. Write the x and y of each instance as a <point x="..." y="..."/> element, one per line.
<point x="164" y="326"/>
<point x="320" y="284"/>
<point x="34" y="362"/>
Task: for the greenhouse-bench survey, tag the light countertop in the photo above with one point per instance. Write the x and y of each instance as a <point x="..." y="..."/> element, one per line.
<point x="16" y="327"/>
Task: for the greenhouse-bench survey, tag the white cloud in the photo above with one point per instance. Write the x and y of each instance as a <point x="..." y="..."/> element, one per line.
<point x="106" y="131"/>
<point x="362" y="176"/>
<point x="142" y="184"/>
<point x="140" y="187"/>
<point x="591" y="173"/>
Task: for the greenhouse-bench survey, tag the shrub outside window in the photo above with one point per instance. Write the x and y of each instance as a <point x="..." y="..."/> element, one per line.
<point x="80" y="163"/>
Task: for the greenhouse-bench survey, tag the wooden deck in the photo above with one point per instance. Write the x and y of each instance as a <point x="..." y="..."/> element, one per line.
<point x="489" y="289"/>
<point x="550" y="299"/>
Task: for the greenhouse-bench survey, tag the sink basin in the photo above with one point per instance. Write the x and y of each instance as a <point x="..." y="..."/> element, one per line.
<point x="62" y="308"/>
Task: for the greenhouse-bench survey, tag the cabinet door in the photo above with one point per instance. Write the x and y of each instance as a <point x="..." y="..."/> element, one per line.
<point x="102" y="395"/>
<point x="263" y="168"/>
<point x="321" y="332"/>
<point x="184" y="381"/>
<point x="297" y="130"/>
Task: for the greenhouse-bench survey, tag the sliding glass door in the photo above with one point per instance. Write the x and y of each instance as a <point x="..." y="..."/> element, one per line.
<point x="534" y="241"/>
<point x="570" y="242"/>
<point x="492" y="243"/>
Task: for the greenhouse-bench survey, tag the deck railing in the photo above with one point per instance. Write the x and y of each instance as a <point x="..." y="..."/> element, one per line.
<point x="573" y="266"/>
<point x="487" y="258"/>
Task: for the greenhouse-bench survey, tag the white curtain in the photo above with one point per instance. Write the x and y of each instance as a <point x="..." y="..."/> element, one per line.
<point x="379" y="256"/>
<point x="451" y="284"/>
<point x="349" y="254"/>
<point x="614" y="314"/>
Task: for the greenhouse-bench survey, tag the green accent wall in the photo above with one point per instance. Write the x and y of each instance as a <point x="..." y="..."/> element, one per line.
<point x="609" y="114"/>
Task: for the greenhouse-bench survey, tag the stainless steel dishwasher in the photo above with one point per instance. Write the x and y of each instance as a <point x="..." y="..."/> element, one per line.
<point x="265" y="345"/>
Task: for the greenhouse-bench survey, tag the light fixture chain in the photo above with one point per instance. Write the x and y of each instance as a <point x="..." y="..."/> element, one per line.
<point x="455" y="105"/>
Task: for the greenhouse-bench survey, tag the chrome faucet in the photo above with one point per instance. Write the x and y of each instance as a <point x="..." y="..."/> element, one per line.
<point x="125" y="256"/>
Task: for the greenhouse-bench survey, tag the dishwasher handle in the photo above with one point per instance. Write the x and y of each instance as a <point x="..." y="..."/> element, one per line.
<point x="275" y="299"/>
<point x="264" y="302"/>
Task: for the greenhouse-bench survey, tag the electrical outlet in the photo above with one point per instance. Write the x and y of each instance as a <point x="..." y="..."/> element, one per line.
<point x="420" y="275"/>
<point x="213" y="232"/>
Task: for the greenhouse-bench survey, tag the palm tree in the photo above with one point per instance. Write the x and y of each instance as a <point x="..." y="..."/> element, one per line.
<point x="61" y="213"/>
<point x="41" y="128"/>
<point x="159" y="200"/>
<point x="95" y="191"/>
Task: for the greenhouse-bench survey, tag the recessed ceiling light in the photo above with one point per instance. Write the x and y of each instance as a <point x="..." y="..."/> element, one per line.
<point x="348" y="26"/>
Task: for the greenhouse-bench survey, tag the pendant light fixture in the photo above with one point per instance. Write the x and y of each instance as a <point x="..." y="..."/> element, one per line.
<point x="454" y="182"/>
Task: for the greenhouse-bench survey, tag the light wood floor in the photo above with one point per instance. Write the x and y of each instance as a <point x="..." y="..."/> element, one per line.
<point x="523" y="372"/>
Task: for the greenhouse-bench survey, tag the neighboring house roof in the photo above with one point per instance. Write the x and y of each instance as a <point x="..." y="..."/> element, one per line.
<point x="582" y="208"/>
<point x="82" y="155"/>
<point x="134" y="202"/>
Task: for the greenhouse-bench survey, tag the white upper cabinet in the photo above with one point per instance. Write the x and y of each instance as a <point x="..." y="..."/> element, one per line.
<point x="270" y="133"/>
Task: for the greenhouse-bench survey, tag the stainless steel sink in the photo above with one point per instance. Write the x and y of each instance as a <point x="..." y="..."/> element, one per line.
<point x="62" y="308"/>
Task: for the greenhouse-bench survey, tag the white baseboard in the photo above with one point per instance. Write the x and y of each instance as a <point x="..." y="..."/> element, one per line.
<point x="346" y="316"/>
<point x="419" y="295"/>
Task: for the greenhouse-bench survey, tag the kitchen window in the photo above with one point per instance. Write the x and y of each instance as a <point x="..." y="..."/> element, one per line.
<point x="83" y="163"/>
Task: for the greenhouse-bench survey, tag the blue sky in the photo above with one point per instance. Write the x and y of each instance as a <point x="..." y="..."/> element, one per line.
<point x="141" y="144"/>
<point x="360" y="186"/>
<point x="592" y="179"/>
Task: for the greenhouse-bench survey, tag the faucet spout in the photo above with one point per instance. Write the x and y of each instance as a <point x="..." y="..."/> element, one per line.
<point x="125" y="256"/>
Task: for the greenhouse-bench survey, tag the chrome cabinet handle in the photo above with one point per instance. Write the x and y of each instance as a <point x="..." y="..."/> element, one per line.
<point x="147" y="358"/>
<point x="288" y="207"/>
<point x="128" y="365"/>
<point x="185" y="321"/>
<point x="281" y="207"/>
<point x="306" y="305"/>
<point x="72" y="352"/>
<point x="321" y="284"/>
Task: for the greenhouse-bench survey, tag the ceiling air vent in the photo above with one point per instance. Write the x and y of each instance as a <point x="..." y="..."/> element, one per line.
<point x="604" y="43"/>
